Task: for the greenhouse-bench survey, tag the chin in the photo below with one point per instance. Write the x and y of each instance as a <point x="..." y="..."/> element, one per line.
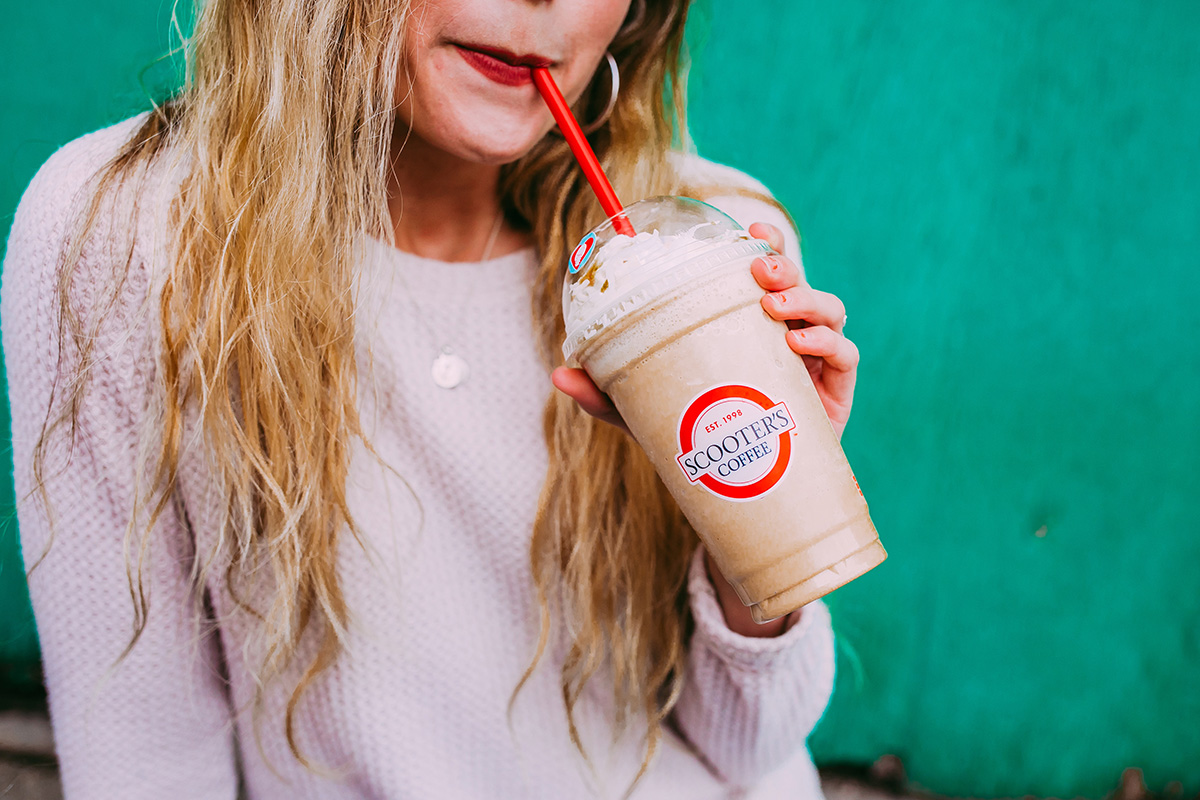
<point x="499" y="156"/>
<point x="482" y="129"/>
<point x="493" y="144"/>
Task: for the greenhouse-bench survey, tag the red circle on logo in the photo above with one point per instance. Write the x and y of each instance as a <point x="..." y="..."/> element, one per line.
<point x="687" y="426"/>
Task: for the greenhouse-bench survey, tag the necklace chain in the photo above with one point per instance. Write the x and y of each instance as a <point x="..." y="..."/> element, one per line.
<point x="449" y="369"/>
<point x="493" y="236"/>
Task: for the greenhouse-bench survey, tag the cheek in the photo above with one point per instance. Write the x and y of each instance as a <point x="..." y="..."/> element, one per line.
<point x="591" y="25"/>
<point x="415" y="52"/>
<point x="602" y="17"/>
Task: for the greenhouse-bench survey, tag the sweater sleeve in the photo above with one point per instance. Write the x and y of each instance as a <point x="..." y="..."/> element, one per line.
<point x="740" y="196"/>
<point x="156" y="723"/>
<point x="748" y="704"/>
<point x="748" y="210"/>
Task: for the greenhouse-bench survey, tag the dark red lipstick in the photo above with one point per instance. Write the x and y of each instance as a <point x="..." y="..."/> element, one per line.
<point x="500" y="65"/>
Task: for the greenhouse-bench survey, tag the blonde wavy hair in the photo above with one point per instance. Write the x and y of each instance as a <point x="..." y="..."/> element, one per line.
<point x="285" y="120"/>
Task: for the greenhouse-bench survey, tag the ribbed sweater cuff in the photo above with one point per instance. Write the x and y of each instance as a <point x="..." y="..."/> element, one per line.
<point x="746" y="653"/>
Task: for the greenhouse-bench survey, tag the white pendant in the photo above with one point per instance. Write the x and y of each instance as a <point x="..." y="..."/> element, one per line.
<point x="449" y="370"/>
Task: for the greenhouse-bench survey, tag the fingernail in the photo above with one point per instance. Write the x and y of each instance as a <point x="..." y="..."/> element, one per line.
<point x="781" y="297"/>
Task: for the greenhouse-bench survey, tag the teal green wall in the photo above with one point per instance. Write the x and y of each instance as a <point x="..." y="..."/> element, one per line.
<point x="67" y="68"/>
<point x="1007" y="197"/>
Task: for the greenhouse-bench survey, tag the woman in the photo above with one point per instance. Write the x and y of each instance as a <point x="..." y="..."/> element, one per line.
<point x="274" y="539"/>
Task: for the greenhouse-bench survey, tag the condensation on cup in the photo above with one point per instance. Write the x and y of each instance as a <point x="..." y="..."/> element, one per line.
<point x="669" y="324"/>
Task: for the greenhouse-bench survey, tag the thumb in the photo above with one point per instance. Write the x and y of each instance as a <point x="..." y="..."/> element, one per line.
<point x="579" y="386"/>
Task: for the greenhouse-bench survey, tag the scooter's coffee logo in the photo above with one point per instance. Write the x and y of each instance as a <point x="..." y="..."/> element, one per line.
<point x="582" y="252"/>
<point x="734" y="440"/>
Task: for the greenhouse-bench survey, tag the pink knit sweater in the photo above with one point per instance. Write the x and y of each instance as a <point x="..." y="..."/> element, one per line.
<point x="444" y="613"/>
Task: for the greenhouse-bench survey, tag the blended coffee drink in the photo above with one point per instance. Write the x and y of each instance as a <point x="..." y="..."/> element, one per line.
<point x="669" y="324"/>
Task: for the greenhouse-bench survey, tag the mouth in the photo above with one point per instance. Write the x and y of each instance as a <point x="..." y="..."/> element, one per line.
<point x="500" y="65"/>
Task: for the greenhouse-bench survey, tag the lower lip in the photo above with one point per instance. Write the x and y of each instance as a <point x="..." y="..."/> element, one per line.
<point x="494" y="69"/>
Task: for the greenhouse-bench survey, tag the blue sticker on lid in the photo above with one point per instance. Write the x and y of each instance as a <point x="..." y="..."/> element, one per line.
<point x="583" y="252"/>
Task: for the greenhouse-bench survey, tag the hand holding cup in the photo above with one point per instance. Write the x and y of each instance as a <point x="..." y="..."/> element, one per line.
<point x="815" y="320"/>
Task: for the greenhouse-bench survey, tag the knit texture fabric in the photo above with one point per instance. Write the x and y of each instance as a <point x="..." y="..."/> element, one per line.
<point x="444" y="615"/>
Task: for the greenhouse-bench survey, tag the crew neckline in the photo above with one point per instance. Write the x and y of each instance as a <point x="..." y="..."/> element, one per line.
<point x="426" y="277"/>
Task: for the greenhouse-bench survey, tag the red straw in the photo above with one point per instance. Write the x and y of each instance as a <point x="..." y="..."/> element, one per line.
<point x="582" y="150"/>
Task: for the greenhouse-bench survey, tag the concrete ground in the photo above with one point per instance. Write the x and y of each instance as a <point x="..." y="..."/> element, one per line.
<point x="28" y="768"/>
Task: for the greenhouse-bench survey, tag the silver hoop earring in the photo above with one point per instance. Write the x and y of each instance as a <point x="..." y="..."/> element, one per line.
<point x="595" y="124"/>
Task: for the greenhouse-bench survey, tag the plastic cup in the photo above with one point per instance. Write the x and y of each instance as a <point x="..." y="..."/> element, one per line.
<point x="669" y="324"/>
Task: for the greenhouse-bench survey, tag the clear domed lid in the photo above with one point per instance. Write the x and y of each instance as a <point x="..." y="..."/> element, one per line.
<point x="675" y="239"/>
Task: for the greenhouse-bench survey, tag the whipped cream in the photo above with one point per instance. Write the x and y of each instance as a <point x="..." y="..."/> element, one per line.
<point x="624" y="262"/>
